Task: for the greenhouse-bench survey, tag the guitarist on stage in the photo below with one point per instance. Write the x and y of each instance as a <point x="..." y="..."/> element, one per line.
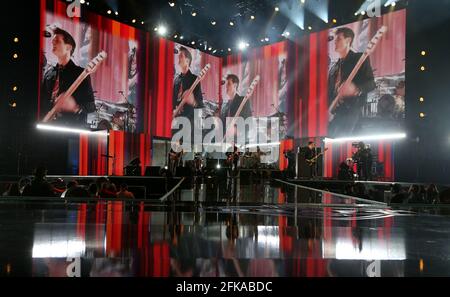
<point x="354" y="96"/>
<point x="72" y="111"/>
<point x="183" y="82"/>
<point x="310" y="154"/>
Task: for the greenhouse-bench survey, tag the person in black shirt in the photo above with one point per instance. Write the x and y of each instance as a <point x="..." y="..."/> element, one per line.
<point x="39" y="187"/>
<point x="57" y="80"/>
<point x="182" y="83"/>
<point x="344" y="119"/>
<point x="310" y="154"/>
<point x="290" y="156"/>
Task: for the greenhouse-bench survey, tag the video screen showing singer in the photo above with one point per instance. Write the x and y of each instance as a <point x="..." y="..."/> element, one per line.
<point x="346" y="116"/>
<point x="73" y="110"/>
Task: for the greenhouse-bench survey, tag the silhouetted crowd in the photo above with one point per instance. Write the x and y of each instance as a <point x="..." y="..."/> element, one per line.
<point x="39" y="186"/>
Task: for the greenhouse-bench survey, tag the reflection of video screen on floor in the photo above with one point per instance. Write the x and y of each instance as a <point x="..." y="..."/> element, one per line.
<point x="90" y="73"/>
<point x="366" y="81"/>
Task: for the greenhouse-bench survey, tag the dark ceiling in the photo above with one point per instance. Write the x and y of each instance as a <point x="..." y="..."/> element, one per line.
<point x="216" y="39"/>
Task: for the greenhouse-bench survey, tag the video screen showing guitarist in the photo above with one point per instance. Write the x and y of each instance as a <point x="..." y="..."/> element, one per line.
<point x="230" y="109"/>
<point x="183" y="83"/>
<point x="346" y="116"/>
<point x="74" y="109"/>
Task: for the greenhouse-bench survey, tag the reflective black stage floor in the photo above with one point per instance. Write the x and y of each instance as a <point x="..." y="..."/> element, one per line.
<point x="224" y="229"/>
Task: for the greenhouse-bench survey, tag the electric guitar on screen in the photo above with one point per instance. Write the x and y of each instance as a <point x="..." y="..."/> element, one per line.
<point x="90" y="68"/>
<point x="189" y="92"/>
<point x="370" y="49"/>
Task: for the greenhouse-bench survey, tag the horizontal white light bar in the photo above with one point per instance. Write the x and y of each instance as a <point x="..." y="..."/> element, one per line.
<point x="366" y="138"/>
<point x="69" y="130"/>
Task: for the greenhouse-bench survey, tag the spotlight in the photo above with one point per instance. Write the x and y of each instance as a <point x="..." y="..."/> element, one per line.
<point x="133" y="21"/>
<point x="181" y="37"/>
<point x="162" y="30"/>
<point x="193" y="42"/>
<point x="421" y="99"/>
<point x="422" y="115"/>
<point x="286" y="34"/>
<point x="302" y="1"/>
<point x="229" y="49"/>
<point x="422" y="68"/>
<point x="363" y="12"/>
<point x="210" y="48"/>
<point x="171" y="4"/>
<point x="155" y="29"/>
<point x="116" y="13"/>
<point x="109" y="11"/>
<point x="16" y="39"/>
<point x="193" y="13"/>
<point x="165" y="167"/>
<point x="142" y="22"/>
<point x="82" y="1"/>
<point x="334" y="21"/>
<point x="214" y="51"/>
<point x="15" y="56"/>
<point x="242" y="45"/>
<point x="176" y="36"/>
<point x="13" y="104"/>
<point x="262" y="40"/>
<point x="277" y="8"/>
<point x="309" y="28"/>
<point x="218" y="166"/>
<point x="266" y="39"/>
<point x="423" y="53"/>
<point x="14" y="88"/>
<point x="393" y="4"/>
<point x="252" y="17"/>
<point x="213" y="23"/>
<point x="231" y="24"/>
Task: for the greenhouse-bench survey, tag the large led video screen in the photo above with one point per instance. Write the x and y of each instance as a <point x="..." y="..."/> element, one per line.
<point x="92" y="72"/>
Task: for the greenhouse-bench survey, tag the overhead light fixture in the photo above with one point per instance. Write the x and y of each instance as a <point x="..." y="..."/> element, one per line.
<point x="176" y="36"/>
<point x="213" y="23"/>
<point x="109" y="11"/>
<point x="309" y="28"/>
<point x="231" y="24"/>
<point x="133" y="21"/>
<point x="366" y="138"/>
<point x="142" y="22"/>
<point x="193" y="13"/>
<point x="252" y="17"/>
<point x="209" y="48"/>
<point x="116" y="13"/>
<point x="334" y="21"/>
<point x="277" y="8"/>
<point x="171" y="4"/>
<point x="242" y="45"/>
<point x="193" y="42"/>
<point x="162" y="30"/>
